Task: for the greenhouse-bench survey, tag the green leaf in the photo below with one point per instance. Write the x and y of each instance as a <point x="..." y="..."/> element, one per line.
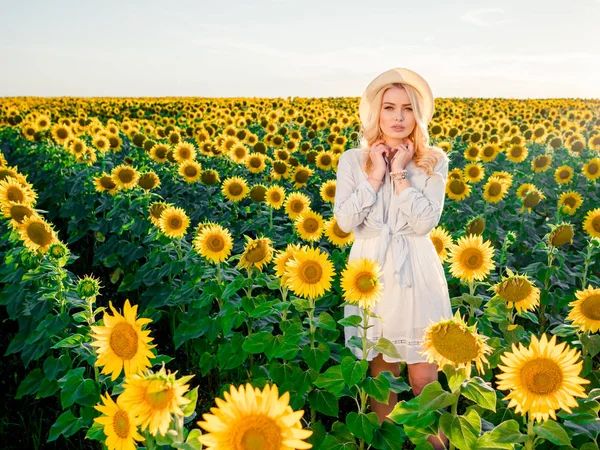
<point x="326" y="322"/>
<point x="74" y="340"/>
<point x="433" y="397"/>
<point x="96" y="432"/>
<point x="389" y="437"/>
<point x="66" y="425"/>
<point x="455" y="376"/>
<point x="386" y="347"/>
<point x="315" y="357"/>
<point x="480" y="392"/>
<point x="331" y="380"/>
<point x="350" y="321"/>
<point x="553" y="432"/>
<point x="378" y="388"/>
<point x="324" y="402"/>
<point x="191" y="442"/>
<point x="30" y="384"/>
<point x="508" y="432"/>
<point x="461" y="430"/>
<point x="409" y="412"/>
<point x="592" y="343"/>
<point x="189" y="409"/>
<point x="256" y="342"/>
<point x="362" y="425"/>
<point x="353" y="371"/>
<point x="397" y="384"/>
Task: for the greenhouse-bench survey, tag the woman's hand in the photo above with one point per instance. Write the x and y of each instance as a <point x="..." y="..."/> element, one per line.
<point x="378" y="150"/>
<point x="404" y="154"/>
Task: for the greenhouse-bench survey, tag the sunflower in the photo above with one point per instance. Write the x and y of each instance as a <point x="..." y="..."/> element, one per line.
<point x="309" y="273"/>
<point x="517" y="153"/>
<point x="489" y="152"/>
<point x="17" y="213"/>
<point x="309" y="225"/>
<point x="154" y="397"/>
<point x="159" y="153"/>
<point x="88" y="286"/>
<point x="101" y="142"/>
<point x="569" y="202"/>
<point x="361" y="283"/>
<point x="472" y="153"/>
<point x="457" y="189"/>
<point x="295" y="204"/>
<point x="518" y="291"/>
<point x="125" y="177"/>
<point x="184" y="152"/>
<point x="524" y="188"/>
<point x="156" y="210"/>
<point x="441" y="240"/>
<point x="471" y="258"/>
<point x="324" y="160"/>
<point x="149" y="181"/>
<point x="494" y="190"/>
<point x="301" y="175"/>
<point x="473" y="173"/>
<point x="591" y="223"/>
<point x="174" y="222"/>
<point x="456" y="174"/>
<point x="542" y="378"/>
<point x="585" y="311"/>
<point x="37" y="234"/>
<point x="257" y="253"/>
<point x="452" y="342"/>
<point x="120" y="427"/>
<point x="327" y="191"/>
<point x="13" y="192"/>
<point x="61" y="133"/>
<point x="280" y="170"/>
<point x="275" y="196"/>
<point x="560" y="234"/>
<point x="238" y="153"/>
<point x="532" y="199"/>
<point x="214" y="243"/>
<point x="541" y="163"/>
<point x="190" y="171"/>
<point x="336" y="235"/>
<point x="591" y="169"/>
<point x="249" y="418"/>
<point x="281" y="259"/>
<point x="476" y="225"/>
<point x="563" y="175"/>
<point x="210" y="177"/>
<point x="235" y="188"/>
<point x="122" y="345"/>
<point x="255" y="163"/>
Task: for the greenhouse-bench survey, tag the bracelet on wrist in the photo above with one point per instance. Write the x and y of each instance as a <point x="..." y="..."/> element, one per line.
<point x="374" y="179"/>
<point x="399" y="174"/>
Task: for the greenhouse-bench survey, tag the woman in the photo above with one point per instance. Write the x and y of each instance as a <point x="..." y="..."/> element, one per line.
<point x="390" y="192"/>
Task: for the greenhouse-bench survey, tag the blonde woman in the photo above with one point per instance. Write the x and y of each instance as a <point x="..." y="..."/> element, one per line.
<point x="390" y="192"/>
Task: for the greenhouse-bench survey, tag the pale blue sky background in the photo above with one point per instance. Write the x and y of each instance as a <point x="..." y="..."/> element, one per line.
<point x="270" y="48"/>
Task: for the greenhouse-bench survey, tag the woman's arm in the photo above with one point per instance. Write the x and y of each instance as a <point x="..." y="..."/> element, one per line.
<point x="352" y="201"/>
<point x="423" y="210"/>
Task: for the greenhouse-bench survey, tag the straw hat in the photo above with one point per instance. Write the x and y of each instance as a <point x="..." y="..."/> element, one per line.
<point x="398" y="75"/>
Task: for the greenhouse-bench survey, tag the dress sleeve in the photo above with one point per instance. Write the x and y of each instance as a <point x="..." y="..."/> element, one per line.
<point x="352" y="201"/>
<point x="423" y="209"/>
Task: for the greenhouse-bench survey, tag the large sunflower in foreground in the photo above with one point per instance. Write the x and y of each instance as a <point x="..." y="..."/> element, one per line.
<point x="125" y="177"/>
<point x="173" y="222"/>
<point x="154" y="397"/>
<point x="361" y="283"/>
<point x="336" y="235"/>
<point x="516" y="290"/>
<point x="309" y="273"/>
<point x="257" y="253"/>
<point x="214" y="243"/>
<point x="37" y="234"/>
<point x="471" y="258"/>
<point x="591" y="223"/>
<point x="251" y="419"/>
<point x="585" y="311"/>
<point x="452" y="342"/>
<point x="235" y="188"/>
<point x="121" y="343"/>
<point x="542" y="378"/>
<point x="441" y="240"/>
<point x="120" y="427"/>
<point x="13" y="192"/>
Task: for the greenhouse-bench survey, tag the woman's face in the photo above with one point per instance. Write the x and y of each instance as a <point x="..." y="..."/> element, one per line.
<point x="396" y="117"/>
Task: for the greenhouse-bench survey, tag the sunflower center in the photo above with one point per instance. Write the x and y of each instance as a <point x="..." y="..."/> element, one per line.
<point x="191" y="171"/>
<point x="301" y="176"/>
<point x="311" y="272"/>
<point x="596" y="223"/>
<point x="517" y="151"/>
<point x="256" y="254"/>
<point x="275" y="197"/>
<point x="569" y="201"/>
<point x="297" y="206"/>
<point x="147" y="182"/>
<point x="561" y="236"/>
<point x="474" y="172"/>
<point x="311" y="225"/>
<point x="126" y="175"/>
<point x="257" y="432"/>
<point x="339" y="232"/>
<point x="515" y="290"/>
<point x="592" y="168"/>
<point x="160" y="399"/>
<point x="364" y="282"/>
<point x="38" y="234"/>
<point x="19" y="212"/>
<point x="184" y="153"/>
<point x="235" y="189"/>
<point x="590" y="307"/>
<point x="495" y="189"/>
<point x="531" y="199"/>
<point x="488" y="151"/>
<point x="541" y="376"/>
<point x="62" y="133"/>
<point x="541" y="161"/>
<point x="326" y="160"/>
<point x="439" y="245"/>
<point x="215" y="244"/>
<point x="124" y="340"/>
<point x="330" y="191"/>
<point x="255" y="163"/>
<point x="457" y="187"/>
<point x="121" y="424"/>
<point x="564" y="174"/>
<point x="473" y="152"/>
<point x="472" y="258"/>
<point x="14" y="194"/>
<point x="240" y="152"/>
<point x="455" y="344"/>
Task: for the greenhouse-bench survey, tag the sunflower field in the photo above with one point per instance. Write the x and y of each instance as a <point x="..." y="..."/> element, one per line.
<point x="173" y="276"/>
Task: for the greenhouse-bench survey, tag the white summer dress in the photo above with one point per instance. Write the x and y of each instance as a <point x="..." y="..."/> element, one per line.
<point x="394" y="230"/>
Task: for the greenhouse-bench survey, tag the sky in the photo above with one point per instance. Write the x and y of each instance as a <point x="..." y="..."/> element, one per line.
<point x="307" y="48"/>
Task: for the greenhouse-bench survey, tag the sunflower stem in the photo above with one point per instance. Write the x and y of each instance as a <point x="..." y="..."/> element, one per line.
<point x="149" y="441"/>
<point x="588" y="259"/>
<point x="270" y="219"/>
<point x="530" y="444"/>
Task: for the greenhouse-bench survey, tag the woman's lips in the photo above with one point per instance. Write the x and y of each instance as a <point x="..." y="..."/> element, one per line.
<point x="398" y="128"/>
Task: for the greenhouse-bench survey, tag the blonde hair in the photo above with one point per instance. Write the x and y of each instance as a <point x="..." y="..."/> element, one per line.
<point x="425" y="156"/>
